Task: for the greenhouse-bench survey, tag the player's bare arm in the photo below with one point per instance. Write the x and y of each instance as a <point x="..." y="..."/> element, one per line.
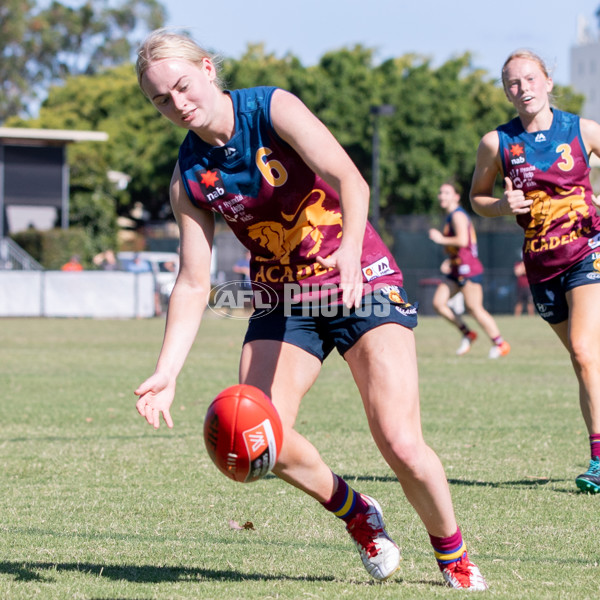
<point x="324" y="155"/>
<point x="460" y="224"/>
<point x="487" y="168"/>
<point x="186" y="305"/>
<point x="590" y="131"/>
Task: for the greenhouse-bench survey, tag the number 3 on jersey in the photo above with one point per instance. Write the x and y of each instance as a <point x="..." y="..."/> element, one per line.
<point x="565" y="153"/>
<point x="272" y="170"/>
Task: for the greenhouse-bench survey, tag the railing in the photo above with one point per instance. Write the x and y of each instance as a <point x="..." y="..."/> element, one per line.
<point x="14" y="258"/>
<point x="77" y="294"/>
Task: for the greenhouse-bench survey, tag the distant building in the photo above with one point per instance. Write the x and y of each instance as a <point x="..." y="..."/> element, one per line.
<point x="585" y="68"/>
<point x="34" y="176"/>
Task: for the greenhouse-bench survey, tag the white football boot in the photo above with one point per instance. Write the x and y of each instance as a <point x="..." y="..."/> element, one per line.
<point x="379" y="553"/>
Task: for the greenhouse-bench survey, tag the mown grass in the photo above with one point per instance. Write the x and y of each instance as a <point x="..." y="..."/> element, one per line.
<point x="97" y="505"/>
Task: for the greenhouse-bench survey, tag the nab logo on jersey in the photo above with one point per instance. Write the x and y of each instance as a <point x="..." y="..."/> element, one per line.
<point x="211" y="185"/>
<point x="517" y="154"/>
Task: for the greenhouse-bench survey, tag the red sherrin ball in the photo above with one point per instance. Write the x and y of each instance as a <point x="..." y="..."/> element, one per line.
<point x="243" y="433"/>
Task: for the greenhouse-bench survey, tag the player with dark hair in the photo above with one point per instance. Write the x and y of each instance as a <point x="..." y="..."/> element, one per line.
<point x="260" y="159"/>
<point x="464" y="274"/>
<point x="543" y="156"/>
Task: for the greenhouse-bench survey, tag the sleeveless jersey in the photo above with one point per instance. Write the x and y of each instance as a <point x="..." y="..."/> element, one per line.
<point x="552" y="168"/>
<point x="277" y="207"/>
<point x="463" y="261"/>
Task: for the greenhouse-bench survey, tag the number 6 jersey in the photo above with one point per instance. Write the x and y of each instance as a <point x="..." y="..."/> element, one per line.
<point x="283" y="212"/>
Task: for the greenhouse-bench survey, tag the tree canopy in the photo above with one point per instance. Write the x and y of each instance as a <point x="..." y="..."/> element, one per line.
<point x="440" y="115"/>
<point x="43" y="46"/>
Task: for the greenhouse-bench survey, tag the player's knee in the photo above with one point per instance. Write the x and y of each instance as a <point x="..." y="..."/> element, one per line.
<point x="439" y="307"/>
<point x="584" y="353"/>
<point x="406" y="457"/>
<point x="475" y="309"/>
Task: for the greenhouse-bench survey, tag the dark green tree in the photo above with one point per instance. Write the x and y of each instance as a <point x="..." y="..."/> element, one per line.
<point x="342" y="94"/>
<point x="441" y="114"/>
<point x="257" y="67"/>
<point x="42" y="46"/>
<point x="15" y="82"/>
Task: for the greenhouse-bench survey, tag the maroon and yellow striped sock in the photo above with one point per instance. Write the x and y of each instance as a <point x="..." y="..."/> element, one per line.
<point x="449" y="549"/>
<point x="595" y="445"/>
<point x="345" y="502"/>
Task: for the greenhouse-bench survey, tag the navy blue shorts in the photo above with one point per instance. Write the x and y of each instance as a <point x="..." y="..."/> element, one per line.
<point x="550" y="296"/>
<point x="461" y="280"/>
<point x="319" y="329"/>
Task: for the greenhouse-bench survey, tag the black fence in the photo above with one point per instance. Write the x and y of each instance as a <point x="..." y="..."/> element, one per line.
<point x="499" y="244"/>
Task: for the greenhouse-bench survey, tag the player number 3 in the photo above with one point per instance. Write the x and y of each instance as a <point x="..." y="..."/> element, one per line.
<point x="565" y="154"/>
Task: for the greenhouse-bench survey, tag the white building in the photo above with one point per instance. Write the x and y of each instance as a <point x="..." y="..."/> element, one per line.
<point x="585" y="68"/>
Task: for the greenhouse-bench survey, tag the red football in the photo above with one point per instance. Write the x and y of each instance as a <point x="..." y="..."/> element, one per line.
<point x="243" y="433"/>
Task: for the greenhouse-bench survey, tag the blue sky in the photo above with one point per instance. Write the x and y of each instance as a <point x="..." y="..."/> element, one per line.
<point x="438" y="29"/>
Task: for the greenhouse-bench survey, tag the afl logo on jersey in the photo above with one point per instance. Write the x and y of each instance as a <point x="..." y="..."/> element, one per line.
<point x="517" y="154"/>
<point x="211" y="184"/>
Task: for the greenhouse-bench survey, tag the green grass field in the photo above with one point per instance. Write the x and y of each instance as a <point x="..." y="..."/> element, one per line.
<point x="97" y="505"/>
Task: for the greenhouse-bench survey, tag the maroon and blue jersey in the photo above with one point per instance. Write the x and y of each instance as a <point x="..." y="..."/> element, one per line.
<point x="552" y="168"/>
<point x="278" y="208"/>
<point x="464" y="262"/>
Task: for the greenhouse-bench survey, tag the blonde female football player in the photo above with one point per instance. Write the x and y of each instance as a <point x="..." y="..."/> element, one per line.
<point x="543" y="156"/>
<point x="290" y="193"/>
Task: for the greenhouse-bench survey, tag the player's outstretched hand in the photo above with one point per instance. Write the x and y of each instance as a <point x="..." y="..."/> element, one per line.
<point x="155" y="396"/>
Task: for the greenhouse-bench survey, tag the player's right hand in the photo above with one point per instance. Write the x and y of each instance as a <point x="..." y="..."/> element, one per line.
<point x="346" y="259"/>
<point x="515" y="200"/>
<point x="155" y="396"/>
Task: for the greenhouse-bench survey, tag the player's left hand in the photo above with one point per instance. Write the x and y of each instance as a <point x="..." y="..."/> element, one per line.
<point x="347" y="261"/>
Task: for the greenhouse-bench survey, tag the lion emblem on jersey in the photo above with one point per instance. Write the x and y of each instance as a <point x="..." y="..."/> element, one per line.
<point x="545" y="210"/>
<point x="307" y="222"/>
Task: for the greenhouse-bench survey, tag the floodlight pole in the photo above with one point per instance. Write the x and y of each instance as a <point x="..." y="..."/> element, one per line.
<point x="377" y="111"/>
